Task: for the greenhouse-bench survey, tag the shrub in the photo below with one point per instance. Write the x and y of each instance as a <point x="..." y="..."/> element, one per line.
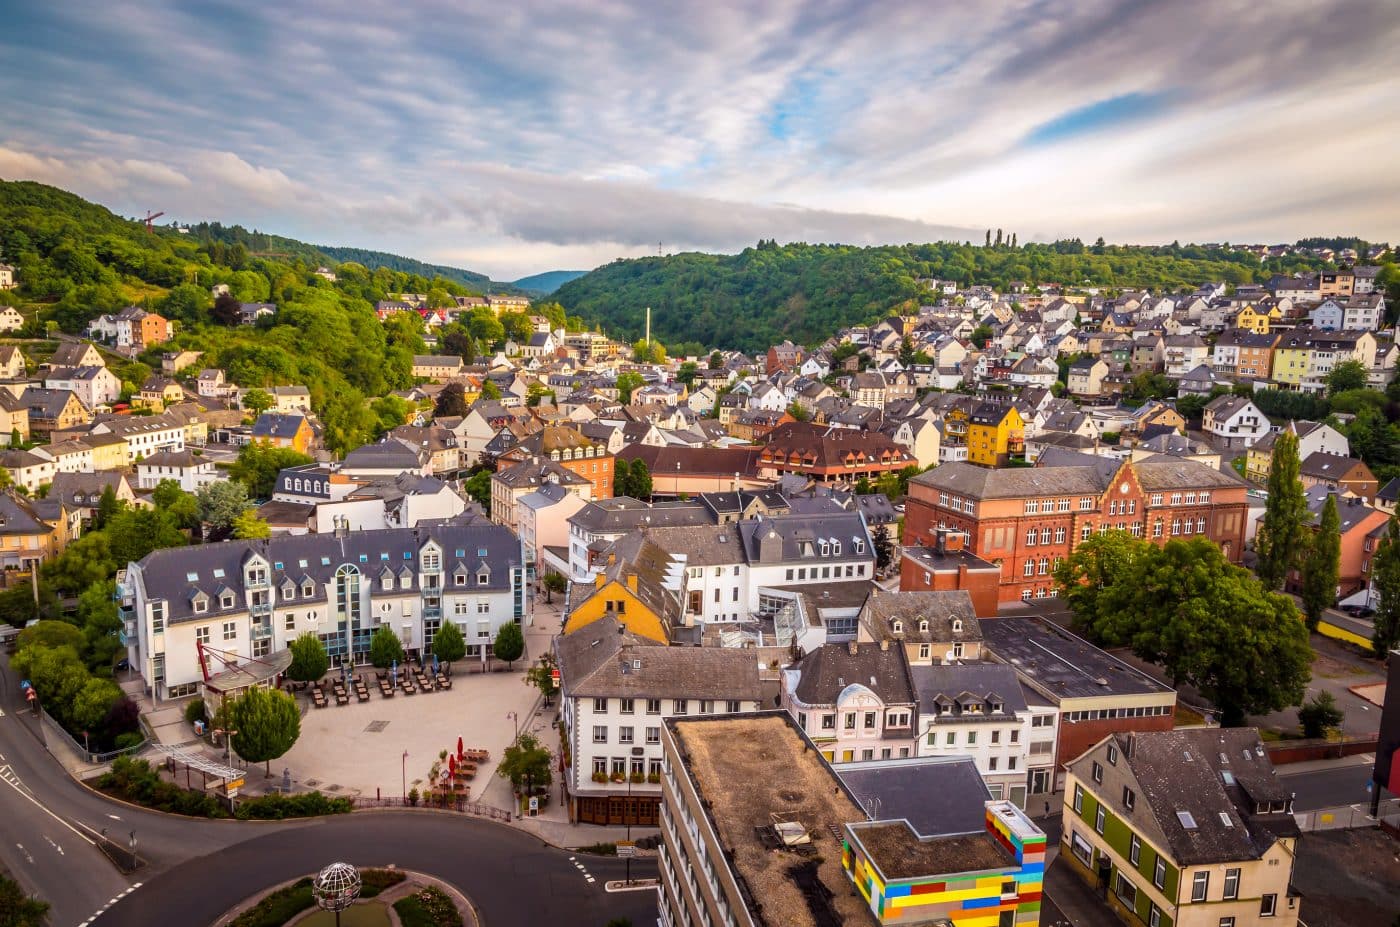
<point x="430" y="907"/>
<point x="413" y="796"/>
<point x="374" y="881"/>
<point x="194" y="710"/>
<point x="276" y="806"/>
<point x="128" y="740"/>
<point x="600" y="849"/>
<point x="277" y="908"/>
<point x="139" y="782"/>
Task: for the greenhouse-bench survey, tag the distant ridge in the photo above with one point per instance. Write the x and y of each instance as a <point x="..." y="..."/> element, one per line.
<point x="547" y="282"/>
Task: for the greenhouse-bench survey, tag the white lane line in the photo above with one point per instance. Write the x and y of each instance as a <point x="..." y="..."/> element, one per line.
<point x="114" y="817"/>
<point x="53" y="844"/>
<point x="115" y="898"/>
<point x="35" y="802"/>
<point x="25" y="852"/>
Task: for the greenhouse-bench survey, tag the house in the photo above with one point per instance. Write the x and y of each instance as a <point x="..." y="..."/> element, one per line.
<point x="1338" y="473"/>
<point x="250" y="313"/>
<point x="617" y="689"/>
<point x="14" y="419"/>
<point x="10" y="319"/>
<point x="27" y="538"/>
<point x="11" y="362"/>
<point x="543" y="520"/>
<point x="67" y="456"/>
<point x="1183" y="353"/>
<point x="1085" y="377"/>
<point x="290" y="399"/>
<point x="782" y="357"/>
<point x="1233" y="422"/>
<point x="1027" y="519"/>
<point x="94" y="385"/>
<point x="7" y="276"/>
<point x="510" y="484"/>
<point x="946" y="567"/>
<point x="386" y="459"/>
<point x="339" y="586"/>
<point x="211" y="384"/>
<point x="52" y="410"/>
<point x="1189" y="827"/>
<point x="572" y="450"/>
<point x="995" y="433"/>
<point x="157" y="392"/>
<point x="437" y="367"/>
<point x="190" y="472"/>
<point x="829" y="455"/>
<point x="637" y="586"/>
<point x="143" y="435"/>
<point x="599" y="523"/>
<point x="132" y="328"/>
<point x="279" y="430"/>
<point x="172" y="362"/>
<point x="1313" y="438"/>
<point x="1360" y="529"/>
<point x="680" y="470"/>
<point x="82" y="492"/>
<point x="853" y="700"/>
<point x="76" y="354"/>
<point x="28" y="469"/>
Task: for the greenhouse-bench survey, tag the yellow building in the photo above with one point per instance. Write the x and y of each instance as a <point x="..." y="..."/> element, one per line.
<point x="1253" y="318"/>
<point x="629" y="588"/>
<point x="1291" y="361"/>
<point x="994" y="434"/>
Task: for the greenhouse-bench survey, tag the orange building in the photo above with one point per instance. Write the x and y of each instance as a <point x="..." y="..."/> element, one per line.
<point x="572" y="450"/>
<point x="154" y="329"/>
<point x="1027" y="520"/>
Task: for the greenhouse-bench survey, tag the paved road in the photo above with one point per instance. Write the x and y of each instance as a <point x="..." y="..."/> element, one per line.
<point x="198" y="869"/>
<point x="1327" y="788"/>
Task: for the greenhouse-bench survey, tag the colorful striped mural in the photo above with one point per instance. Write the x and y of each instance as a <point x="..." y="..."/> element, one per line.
<point x="967" y="900"/>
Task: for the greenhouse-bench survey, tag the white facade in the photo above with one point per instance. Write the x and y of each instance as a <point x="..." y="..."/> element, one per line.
<point x="191" y="478"/>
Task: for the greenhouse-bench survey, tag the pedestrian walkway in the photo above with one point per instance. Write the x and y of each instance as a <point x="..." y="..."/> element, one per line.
<point x="1077" y="902"/>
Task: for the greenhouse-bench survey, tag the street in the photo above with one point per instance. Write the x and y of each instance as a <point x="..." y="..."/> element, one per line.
<point x="1326" y="788"/>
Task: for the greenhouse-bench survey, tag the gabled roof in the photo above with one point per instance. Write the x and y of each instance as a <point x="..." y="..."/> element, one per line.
<point x="830" y="669"/>
<point x="603" y="660"/>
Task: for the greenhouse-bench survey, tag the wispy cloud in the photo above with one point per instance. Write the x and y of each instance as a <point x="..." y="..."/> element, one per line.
<point x="509" y="137"/>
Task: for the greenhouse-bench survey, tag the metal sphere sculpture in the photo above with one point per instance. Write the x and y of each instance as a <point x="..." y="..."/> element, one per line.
<point x="336" y="887"/>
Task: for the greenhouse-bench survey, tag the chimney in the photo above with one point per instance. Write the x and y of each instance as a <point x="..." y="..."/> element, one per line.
<point x="885" y="645"/>
<point x="599" y="580"/>
<point x="854" y="648"/>
<point x="632" y="581"/>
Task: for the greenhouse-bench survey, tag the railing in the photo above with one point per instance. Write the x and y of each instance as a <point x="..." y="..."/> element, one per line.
<point x="261" y="631"/>
<point x="459" y="805"/>
<point x="260" y="608"/>
<point x="90" y="757"/>
<point x="1349" y="817"/>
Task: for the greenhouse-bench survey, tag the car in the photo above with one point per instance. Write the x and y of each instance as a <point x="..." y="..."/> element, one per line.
<point x="123" y="664"/>
<point x="1359" y="611"/>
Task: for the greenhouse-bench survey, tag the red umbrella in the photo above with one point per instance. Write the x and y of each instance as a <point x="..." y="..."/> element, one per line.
<point x="452" y="766"/>
<point x="459" y="748"/>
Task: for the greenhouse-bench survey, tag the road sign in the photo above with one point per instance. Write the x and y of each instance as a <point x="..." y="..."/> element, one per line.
<point x="626" y="849"/>
<point x="554" y="675"/>
<point x="25" y="684"/>
<point x="32" y="695"/>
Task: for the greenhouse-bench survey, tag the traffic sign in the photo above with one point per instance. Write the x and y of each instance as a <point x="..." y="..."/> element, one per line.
<point x="33" y="695"/>
<point x="25" y="684"/>
<point x="626" y="849"/>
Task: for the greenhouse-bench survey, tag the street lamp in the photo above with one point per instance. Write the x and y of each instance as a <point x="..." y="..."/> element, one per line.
<point x="228" y="741"/>
<point x="404" y="770"/>
<point x="516" y="718"/>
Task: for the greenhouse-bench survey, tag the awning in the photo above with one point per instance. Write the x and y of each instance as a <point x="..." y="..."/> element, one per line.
<point x="253" y="673"/>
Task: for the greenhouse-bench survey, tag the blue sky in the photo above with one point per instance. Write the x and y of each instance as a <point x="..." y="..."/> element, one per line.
<point x="514" y="138"/>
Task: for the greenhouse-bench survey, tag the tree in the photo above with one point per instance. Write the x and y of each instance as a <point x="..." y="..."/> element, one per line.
<point x="385" y="647"/>
<point x="509" y="644"/>
<point x="716" y="360"/>
<point x="221" y="502"/>
<point x="1385" y="573"/>
<point x="107" y="506"/>
<point x="257" y="401"/>
<point x="641" y="480"/>
<point x="309" y="660"/>
<point x="259" y="463"/>
<point x="536" y="392"/>
<point x="1321" y="565"/>
<point x="981" y="335"/>
<point x="553" y="582"/>
<point x="884" y="548"/>
<point x="92" y="702"/>
<point x="489" y="390"/>
<point x="1348" y="375"/>
<point x="1282" y="535"/>
<point x="541" y="676"/>
<point x="227" y="310"/>
<point x="1319" y="715"/>
<point x="478" y="486"/>
<point x="452" y="401"/>
<point x="51" y="634"/>
<point x="626" y="383"/>
<point x="250" y="526"/>
<point x="18" y="909"/>
<point x="268" y="723"/>
<point x="526" y="763"/>
<point x="622" y="478"/>
<point x="448" y="643"/>
<point x="688" y="372"/>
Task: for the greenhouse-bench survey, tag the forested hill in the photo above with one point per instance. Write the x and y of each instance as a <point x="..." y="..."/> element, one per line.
<point x="549" y="281"/>
<point x="804" y="292"/>
<point x="262" y="243"/>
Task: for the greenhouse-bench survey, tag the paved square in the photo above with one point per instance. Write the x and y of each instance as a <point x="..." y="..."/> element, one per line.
<point x="357" y="749"/>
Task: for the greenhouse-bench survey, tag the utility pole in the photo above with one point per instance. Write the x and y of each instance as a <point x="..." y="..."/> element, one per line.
<point x="648" y="339"/>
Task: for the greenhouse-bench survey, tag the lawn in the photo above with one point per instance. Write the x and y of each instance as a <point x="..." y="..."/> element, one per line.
<point x="364" y="914"/>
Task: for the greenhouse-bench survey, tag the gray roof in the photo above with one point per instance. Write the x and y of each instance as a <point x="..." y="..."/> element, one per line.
<point x="17" y="517"/>
<point x="311" y="475"/>
<point x="946" y="690"/>
<point x="830" y="668"/>
<point x="938" y="795"/>
<point x="385" y="455"/>
<point x="166" y="574"/>
<point x="967" y="479"/>
<point x="798" y="538"/>
<point x="277" y="425"/>
<point x="537" y="471"/>
<point x="939" y="609"/>
<point x="623" y="513"/>
<point x="603" y="660"/>
<point x="84" y="489"/>
<point x="1060" y="665"/>
<point x="701" y="545"/>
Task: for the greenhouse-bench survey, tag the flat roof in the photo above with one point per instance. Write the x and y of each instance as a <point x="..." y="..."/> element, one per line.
<point x="900" y="854"/>
<point x="937" y="795"/>
<point x="1061" y="665"/>
<point x="746" y="767"/>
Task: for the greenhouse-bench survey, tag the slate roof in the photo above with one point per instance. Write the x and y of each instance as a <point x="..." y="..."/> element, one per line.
<point x="938" y="795"/>
<point x="603" y="660"/>
<point x="953" y="686"/>
<point x="277" y="425"/>
<point x="384" y="455"/>
<point x="623" y="513"/>
<point x="18" y="518"/>
<point x="772" y="539"/>
<point x="967" y="479"/>
<point x="830" y="668"/>
<point x="939" y="609"/>
<point x="536" y="471"/>
<point x="84" y="489"/>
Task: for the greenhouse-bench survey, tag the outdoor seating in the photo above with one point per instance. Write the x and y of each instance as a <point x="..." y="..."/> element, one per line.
<point x="318" y="698"/>
<point x="443" y="682"/>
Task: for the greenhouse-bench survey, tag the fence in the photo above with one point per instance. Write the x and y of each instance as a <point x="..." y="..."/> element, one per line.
<point x="460" y="805"/>
<point x="1298" y="751"/>
<point x="1347" y="817"/>
<point x="91" y="758"/>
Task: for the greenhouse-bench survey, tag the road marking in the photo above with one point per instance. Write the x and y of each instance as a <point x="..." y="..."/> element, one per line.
<point x="115" y="898"/>
<point x="30" y="798"/>
<point x="25" y="852"/>
<point x="53" y="844"/>
<point x="114" y="817"/>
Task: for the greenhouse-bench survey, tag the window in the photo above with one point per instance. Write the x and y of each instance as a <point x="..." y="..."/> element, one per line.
<point x="624" y="735"/>
<point x="1098" y="819"/>
<point x="1135" y="850"/>
<point x="1268" y="905"/>
<point x="951" y="739"/>
<point x="289" y="622"/>
<point x="732" y="706"/>
<point x="1015" y="735"/>
<point x="230" y="631"/>
<point x="653" y="706"/>
<point x="1128" y="798"/>
<point x="1079" y="798"/>
<point x="682" y="706"/>
<point x="850" y="723"/>
<point x="1011" y="762"/>
<point x="1200" y="886"/>
<point x="869" y="721"/>
<point x="1098" y="772"/>
<point x="924" y="652"/>
<point x="1085" y="531"/>
<point x="226" y="601"/>
<point x="201" y="635"/>
<point x="996" y="737"/>
<point x="1227" y="922"/>
<point x="972" y="738"/>
<point x="201" y="606"/>
<point x="1059" y="535"/>
<point x="600" y="706"/>
<point x="1159" y="873"/>
<point x="1125" y="890"/>
<point x="653" y="735"/>
<point x="1030" y="537"/>
<point x="627" y="706"/>
<point x="1081" y="848"/>
<point x="1029" y="568"/>
<point x="1154" y="916"/>
<point x="707" y="706"/>
<point x="600" y="733"/>
<point x="828" y="722"/>
<point x="1232" y="884"/>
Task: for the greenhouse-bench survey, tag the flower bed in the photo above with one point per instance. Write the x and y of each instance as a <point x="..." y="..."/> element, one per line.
<point x="430" y="907"/>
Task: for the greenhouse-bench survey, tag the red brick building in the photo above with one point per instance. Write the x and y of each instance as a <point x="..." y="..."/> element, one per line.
<point x="572" y="450"/>
<point x="830" y="455"/>
<point x="1027" y="520"/>
<point x="945" y="566"/>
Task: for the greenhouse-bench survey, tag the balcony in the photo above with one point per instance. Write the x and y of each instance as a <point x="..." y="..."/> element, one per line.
<point x="432" y="611"/>
<point x="261" y="631"/>
<point x="260" y="608"/>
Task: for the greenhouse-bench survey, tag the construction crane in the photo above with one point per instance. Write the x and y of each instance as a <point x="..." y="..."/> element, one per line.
<point x="151" y="217"/>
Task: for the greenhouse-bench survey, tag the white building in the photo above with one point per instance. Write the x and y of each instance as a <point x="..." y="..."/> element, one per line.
<point x="855" y="701"/>
<point x="191" y="472"/>
<point x="95" y="386"/>
<point x="1234" y="422"/>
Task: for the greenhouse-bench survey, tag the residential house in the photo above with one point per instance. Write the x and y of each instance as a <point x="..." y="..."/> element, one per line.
<point x="82" y="492"/>
<point x="172" y="362"/>
<point x="27" y="537"/>
<point x="617" y="689"/>
<point x="1233" y="422"/>
<point x="945" y="567"/>
<point x="510" y="484"/>
<point x="1313" y="438"/>
<point x="10" y="318"/>
<point x="995" y="433"/>
<point x="14" y="419"/>
<point x="95" y="386"/>
<point x="638" y="585"/>
<point x="437" y="367"/>
<point x="279" y="430"/>
<point x="144" y="435"/>
<point x="1360" y="528"/>
<point x="829" y="455"/>
<point x="290" y="399"/>
<point x="1085" y="377"/>
<point x="782" y="357"/>
<point x="52" y="410"/>
<point x="28" y="469"/>
<point x="543" y="520"/>
<point x="1338" y="473"/>
<point x="571" y="449"/>
<point x="67" y="456"/>
<point x="1183" y="353"/>
<point x="11" y="362"/>
<point x="76" y="354"/>
<point x="157" y="392"/>
<point x="211" y="384"/>
<point x="855" y="701"/>
<point x="1187" y="828"/>
<point x="599" y="523"/>
<point x="190" y="472"/>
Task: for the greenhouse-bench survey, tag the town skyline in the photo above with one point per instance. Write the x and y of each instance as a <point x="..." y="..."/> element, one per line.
<point x="511" y="142"/>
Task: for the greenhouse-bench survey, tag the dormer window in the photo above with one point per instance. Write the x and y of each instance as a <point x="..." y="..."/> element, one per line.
<point x="860" y="547"/>
<point x="459" y="578"/>
<point x="897" y="626"/>
<point x="226" y="600"/>
<point x="201" y="605"/>
<point x="483" y="577"/>
<point x="923" y="626"/>
<point x="957" y="625"/>
<point x="308" y="589"/>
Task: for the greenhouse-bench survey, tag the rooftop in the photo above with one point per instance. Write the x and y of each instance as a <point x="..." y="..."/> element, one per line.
<point x="782" y="772"/>
<point x="1060" y="665"/>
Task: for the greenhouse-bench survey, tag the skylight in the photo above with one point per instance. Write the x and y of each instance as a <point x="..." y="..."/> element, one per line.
<point x="1186" y="820"/>
<point x="192" y="577"/>
<point x="1225" y="819"/>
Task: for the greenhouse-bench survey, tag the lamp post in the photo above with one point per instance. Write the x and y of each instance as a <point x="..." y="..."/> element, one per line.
<point x="228" y="741"/>
<point x="516" y="718"/>
<point x="404" y="770"/>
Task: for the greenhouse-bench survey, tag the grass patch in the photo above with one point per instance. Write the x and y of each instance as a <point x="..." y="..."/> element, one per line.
<point x="429" y="908"/>
<point x="600" y="849"/>
<point x="375" y="881"/>
<point x="278" y="908"/>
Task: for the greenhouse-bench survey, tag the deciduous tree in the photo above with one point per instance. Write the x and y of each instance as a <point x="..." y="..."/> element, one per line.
<point x="448" y="643"/>
<point x="268" y="723"/>
<point x="509" y="643"/>
<point x="526" y="763"/>
<point x="1385" y="573"/>
<point x="1282" y="535"/>
<point x="385" y="647"/>
<point x="309" y="660"/>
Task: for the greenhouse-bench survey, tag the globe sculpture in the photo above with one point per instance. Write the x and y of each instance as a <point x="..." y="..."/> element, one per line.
<point x="336" y="887"/>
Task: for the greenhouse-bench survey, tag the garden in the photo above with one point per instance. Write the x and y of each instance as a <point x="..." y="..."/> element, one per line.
<point x="416" y="904"/>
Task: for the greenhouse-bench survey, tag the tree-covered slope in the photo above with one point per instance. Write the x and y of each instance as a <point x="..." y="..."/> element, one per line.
<point x="547" y="282"/>
<point x="806" y="292"/>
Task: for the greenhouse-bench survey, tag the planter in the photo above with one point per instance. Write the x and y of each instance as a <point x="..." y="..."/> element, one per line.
<point x="638" y="778"/>
<point x="619" y="777"/>
<point x="600" y="777"/>
<point x="654" y="778"/>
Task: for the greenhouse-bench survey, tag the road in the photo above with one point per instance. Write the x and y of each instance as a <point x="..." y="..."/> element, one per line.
<point x="197" y="869"/>
<point x="1327" y="788"/>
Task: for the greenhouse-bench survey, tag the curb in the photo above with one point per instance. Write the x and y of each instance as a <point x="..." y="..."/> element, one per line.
<point x="410" y="875"/>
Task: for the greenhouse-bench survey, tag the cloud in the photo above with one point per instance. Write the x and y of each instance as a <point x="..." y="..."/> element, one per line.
<point x="532" y="131"/>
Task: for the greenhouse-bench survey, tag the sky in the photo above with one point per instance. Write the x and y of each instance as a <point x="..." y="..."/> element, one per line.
<point x="513" y="138"/>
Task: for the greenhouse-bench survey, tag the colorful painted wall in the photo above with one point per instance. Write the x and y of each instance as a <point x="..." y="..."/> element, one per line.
<point x="968" y="900"/>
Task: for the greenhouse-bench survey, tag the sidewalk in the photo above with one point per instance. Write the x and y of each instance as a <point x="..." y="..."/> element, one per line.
<point x="1307" y="766"/>
<point x="1079" y="903"/>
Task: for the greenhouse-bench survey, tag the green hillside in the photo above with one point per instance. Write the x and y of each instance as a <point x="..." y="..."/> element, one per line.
<point x="804" y="292"/>
<point x="547" y="282"/>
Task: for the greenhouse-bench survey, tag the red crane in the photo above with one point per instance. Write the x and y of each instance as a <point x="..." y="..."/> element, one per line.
<point x="151" y="217"/>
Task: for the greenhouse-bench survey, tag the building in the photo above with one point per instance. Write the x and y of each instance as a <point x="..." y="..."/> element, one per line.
<point x="854" y="701"/>
<point x="1360" y="530"/>
<point x="279" y="430"/>
<point x="689" y="471"/>
<point x="995" y="434"/>
<point x="1086" y="375"/>
<point x="931" y="627"/>
<point x="1233" y="422"/>
<point x="437" y="367"/>
<point x="1093" y="693"/>
<point x="510" y="484"/>
<point x="157" y="392"/>
<point x="572" y="450"/>
<point x="830" y="455"/>
<point x="1184" y="828"/>
<point x="1028" y="519"/>
<point x="617" y="689"/>
<point x="801" y="846"/>
<point x="143" y="435"/>
<point x="27" y="469"/>
<point x="133" y="328"/>
<point x="243" y="601"/>
<point x="1338" y="473"/>
<point x="10" y="318"/>
<point x="1313" y="438"/>
<point x="28" y="538"/>
<point x="638" y="585"/>
<point x="595" y="526"/>
<point x="93" y="385"/>
<point x="190" y="472"/>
